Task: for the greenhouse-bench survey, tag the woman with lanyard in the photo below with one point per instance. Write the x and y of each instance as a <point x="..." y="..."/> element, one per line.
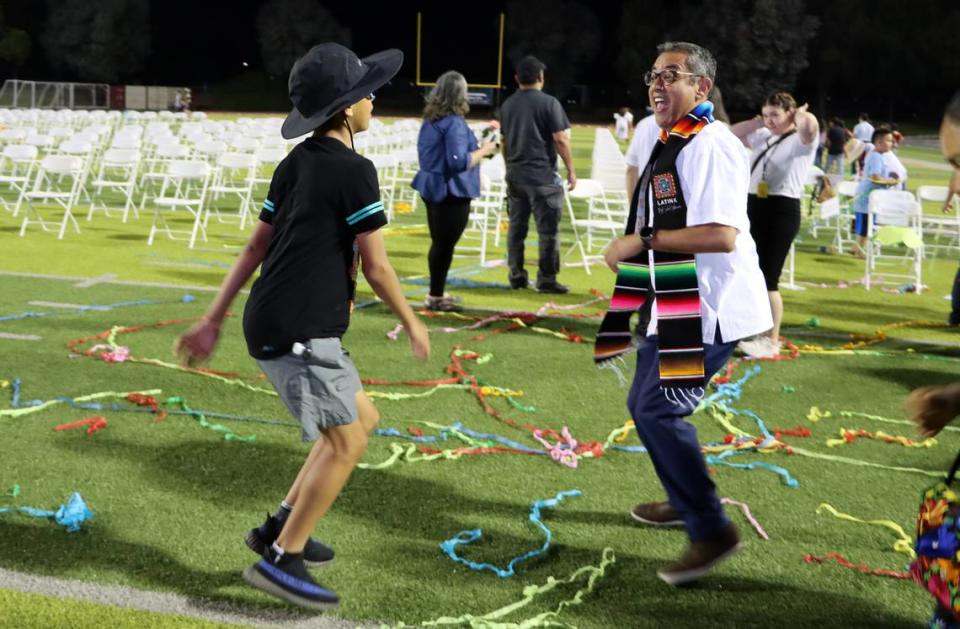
<point x="783" y="142"/>
<point x="448" y="179"/>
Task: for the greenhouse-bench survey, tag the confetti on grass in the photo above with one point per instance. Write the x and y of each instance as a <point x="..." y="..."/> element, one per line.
<point x="70" y="515"/>
<point x="470" y="536"/>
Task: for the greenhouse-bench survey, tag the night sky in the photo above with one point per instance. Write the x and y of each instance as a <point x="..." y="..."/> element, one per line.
<point x="205" y="43"/>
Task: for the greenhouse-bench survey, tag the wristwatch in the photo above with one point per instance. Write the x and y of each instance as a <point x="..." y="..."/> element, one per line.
<point x="646" y="234"/>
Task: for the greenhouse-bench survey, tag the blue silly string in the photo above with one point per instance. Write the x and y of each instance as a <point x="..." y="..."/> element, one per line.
<point x="456" y="282"/>
<point x="70" y="515"/>
<point x="457" y="427"/>
<point x="468" y="537"/>
<point x="733" y="391"/>
<point x="714" y="459"/>
<point x="393" y="432"/>
<point x="186" y="299"/>
<point x="639" y="449"/>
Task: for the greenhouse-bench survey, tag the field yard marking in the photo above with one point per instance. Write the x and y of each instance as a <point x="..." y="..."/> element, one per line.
<point x="166" y="603"/>
<point x="56" y="304"/>
<point x="20" y="337"/>
<point x="68" y="278"/>
<point x="93" y="281"/>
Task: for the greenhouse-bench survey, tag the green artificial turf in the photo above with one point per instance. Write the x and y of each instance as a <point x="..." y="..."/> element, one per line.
<point x="34" y="611"/>
<point x="173" y="500"/>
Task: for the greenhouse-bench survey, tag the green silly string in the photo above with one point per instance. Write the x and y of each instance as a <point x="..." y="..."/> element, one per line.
<point x="492" y="620"/>
<point x="228" y="435"/>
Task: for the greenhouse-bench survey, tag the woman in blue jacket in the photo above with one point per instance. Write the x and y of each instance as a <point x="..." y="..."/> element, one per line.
<point x="449" y="177"/>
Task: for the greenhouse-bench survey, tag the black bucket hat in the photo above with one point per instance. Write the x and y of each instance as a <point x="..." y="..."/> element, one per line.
<point x="330" y="78"/>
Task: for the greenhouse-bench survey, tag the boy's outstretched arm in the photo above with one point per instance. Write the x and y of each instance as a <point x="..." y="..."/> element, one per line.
<point x="383" y="279"/>
<point x="197" y="343"/>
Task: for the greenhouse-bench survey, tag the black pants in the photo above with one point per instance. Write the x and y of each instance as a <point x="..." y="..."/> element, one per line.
<point x="774" y="223"/>
<point x="546" y="205"/>
<point x="447" y="220"/>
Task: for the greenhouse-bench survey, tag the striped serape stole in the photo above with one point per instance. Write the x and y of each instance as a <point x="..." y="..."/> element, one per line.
<point x="678" y="321"/>
<point x="629" y="296"/>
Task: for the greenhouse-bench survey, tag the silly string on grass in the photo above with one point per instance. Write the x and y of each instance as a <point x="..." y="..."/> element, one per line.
<point x="70" y="515"/>
<point x="469" y="537"/>
<point x="492" y="620"/>
<point x="846" y="563"/>
<point x="903" y="545"/>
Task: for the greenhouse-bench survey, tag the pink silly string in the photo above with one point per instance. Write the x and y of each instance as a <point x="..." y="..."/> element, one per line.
<point x="116" y="354"/>
<point x="565" y="456"/>
<point x="747" y="514"/>
<point x="394" y="334"/>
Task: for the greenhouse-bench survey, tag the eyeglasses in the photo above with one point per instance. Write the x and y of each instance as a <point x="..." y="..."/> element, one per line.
<point x="668" y="75"/>
<point x="372" y="97"/>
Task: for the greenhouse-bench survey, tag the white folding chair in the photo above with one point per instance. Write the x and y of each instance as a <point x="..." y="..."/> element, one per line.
<point x="233" y="176"/>
<point x="387" y="167"/>
<point x="57" y="182"/>
<point x="184" y="188"/>
<point x="17" y="163"/>
<point x="940" y="224"/>
<point x="893" y="224"/>
<point x="600" y="228"/>
<point x="117" y="172"/>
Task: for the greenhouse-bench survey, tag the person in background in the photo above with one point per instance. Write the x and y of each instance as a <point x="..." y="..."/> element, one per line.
<point x="783" y="141"/>
<point x="863" y="131"/>
<point x="535" y="131"/>
<point x="881" y="171"/>
<point x="449" y="177"/>
<point x="623" y="124"/>
<point x="837" y="136"/>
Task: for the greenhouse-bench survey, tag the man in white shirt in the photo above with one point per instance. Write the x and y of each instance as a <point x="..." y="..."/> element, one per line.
<point x="713" y="178"/>
<point x="863" y="131"/>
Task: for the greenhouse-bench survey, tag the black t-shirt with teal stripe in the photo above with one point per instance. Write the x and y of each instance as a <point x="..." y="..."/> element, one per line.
<point x="322" y="195"/>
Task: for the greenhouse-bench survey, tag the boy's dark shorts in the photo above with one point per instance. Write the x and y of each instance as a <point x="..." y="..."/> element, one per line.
<point x="319" y="389"/>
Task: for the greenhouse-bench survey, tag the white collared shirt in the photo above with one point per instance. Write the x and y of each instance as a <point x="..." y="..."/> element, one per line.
<point x="784" y="167"/>
<point x="714" y="175"/>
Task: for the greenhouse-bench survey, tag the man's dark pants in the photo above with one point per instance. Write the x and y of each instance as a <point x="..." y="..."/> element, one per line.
<point x="546" y="205"/>
<point x="672" y="441"/>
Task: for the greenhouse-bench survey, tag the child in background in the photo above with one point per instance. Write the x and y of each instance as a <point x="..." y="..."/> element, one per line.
<point x="623" y="124"/>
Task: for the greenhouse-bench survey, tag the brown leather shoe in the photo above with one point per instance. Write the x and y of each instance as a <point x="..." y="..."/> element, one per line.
<point x="700" y="557"/>
<point x="656" y="514"/>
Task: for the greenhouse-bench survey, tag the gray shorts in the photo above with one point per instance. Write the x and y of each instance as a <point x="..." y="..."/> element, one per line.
<point x="319" y="388"/>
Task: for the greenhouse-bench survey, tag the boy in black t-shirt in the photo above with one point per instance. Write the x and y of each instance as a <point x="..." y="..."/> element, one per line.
<point x="322" y="212"/>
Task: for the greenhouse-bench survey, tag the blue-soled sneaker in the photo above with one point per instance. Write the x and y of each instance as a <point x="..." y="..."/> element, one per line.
<point x="259" y="539"/>
<point x="286" y="577"/>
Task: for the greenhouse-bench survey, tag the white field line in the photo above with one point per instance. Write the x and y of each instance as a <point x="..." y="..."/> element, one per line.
<point x="56" y="304"/>
<point x="68" y="278"/>
<point x="20" y="337"/>
<point x="93" y="281"/>
<point x="166" y="603"/>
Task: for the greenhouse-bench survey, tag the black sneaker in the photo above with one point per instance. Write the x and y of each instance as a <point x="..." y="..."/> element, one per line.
<point x="521" y="283"/>
<point x="553" y="287"/>
<point x="259" y="539"/>
<point x="286" y="577"/>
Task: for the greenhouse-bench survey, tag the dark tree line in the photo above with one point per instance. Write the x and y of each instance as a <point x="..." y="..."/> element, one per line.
<point x="884" y="56"/>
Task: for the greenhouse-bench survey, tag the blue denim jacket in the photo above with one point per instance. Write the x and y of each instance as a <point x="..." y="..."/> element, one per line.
<point x="444" y="148"/>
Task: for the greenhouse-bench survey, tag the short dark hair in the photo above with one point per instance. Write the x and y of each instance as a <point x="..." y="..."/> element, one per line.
<point x="953" y="109"/>
<point x="780" y="99"/>
<point x="529" y="69"/>
<point x="865" y="116"/>
<point x="879" y="132"/>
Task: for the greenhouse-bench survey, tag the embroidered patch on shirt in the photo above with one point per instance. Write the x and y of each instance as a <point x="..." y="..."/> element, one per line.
<point x="664" y="186"/>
